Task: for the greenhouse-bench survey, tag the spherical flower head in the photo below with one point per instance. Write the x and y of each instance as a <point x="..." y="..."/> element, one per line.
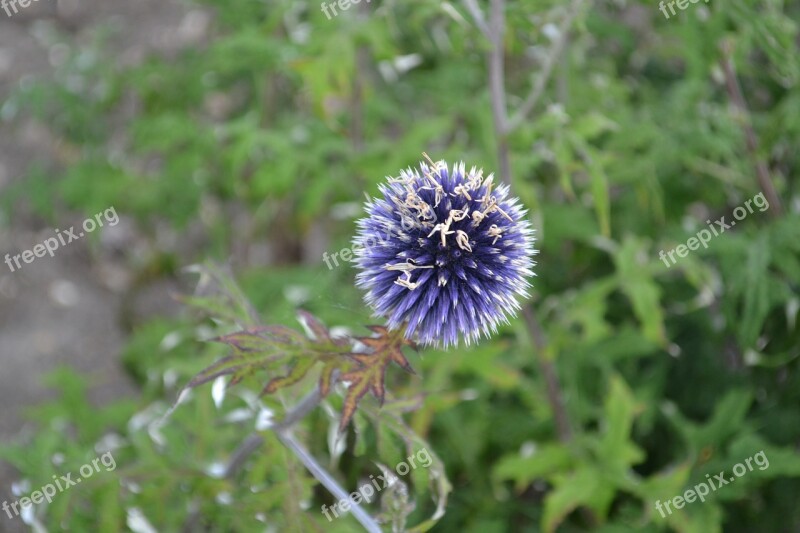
<point x="444" y="253"/>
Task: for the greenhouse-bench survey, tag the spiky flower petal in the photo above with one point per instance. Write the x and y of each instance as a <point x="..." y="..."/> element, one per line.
<point x="444" y="253"/>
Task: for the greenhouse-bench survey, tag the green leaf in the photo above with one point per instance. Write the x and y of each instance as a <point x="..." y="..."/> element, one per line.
<point x="756" y="301"/>
<point x="572" y="491"/>
<point x="728" y="416"/>
<point x="545" y="461"/>
<point x="593" y="124"/>
<point x="636" y="282"/>
<point x="616" y="452"/>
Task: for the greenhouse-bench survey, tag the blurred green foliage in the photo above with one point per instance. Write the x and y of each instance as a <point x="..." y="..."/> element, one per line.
<point x="285" y="118"/>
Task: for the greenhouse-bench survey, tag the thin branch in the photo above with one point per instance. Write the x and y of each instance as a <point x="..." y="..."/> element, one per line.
<point x="497" y="88"/>
<point x="322" y="475"/>
<point x="547" y="68"/>
<point x="283" y="430"/>
<point x="252" y="443"/>
<point x="555" y="395"/>
<point x="477" y="16"/>
<point x="500" y="121"/>
<point x="292" y="416"/>
<point x="497" y="92"/>
<point x="497" y="22"/>
<point x="503" y="127"/>
<point x="751" y="140"/>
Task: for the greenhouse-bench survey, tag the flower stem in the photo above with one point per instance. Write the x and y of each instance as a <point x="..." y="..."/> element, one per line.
<point x="283" y="430"/>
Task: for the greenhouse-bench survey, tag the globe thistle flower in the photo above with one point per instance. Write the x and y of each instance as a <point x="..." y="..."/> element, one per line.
<point x="444" y="253"/>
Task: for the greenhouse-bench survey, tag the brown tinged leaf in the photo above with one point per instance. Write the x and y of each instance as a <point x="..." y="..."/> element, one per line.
<point x="328" y="351"/>
<point x="370" y="376"/>
<point x="326" y="378"/>
<point x="274" y="348"/>
<point x="223" y="367"/>
<point x="298" y="372"/>
<point x="390" y="342"/>
<point x="262" y="338"/>
<point x="319" y="331"/>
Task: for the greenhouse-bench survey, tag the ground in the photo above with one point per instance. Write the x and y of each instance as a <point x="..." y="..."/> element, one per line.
<point x="67" y="309"/>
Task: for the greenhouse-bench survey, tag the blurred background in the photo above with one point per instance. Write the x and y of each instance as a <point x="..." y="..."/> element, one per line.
<point x="248" y="132"/>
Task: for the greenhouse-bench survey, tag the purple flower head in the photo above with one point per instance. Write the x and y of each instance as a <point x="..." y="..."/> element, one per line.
<point x="444" y="253"/>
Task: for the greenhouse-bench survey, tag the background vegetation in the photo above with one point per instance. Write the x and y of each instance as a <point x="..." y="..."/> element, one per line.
<point x="625" y="382"/>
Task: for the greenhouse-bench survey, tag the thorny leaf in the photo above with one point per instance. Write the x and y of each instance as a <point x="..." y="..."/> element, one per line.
<point x="298" y="372"/>
<point x="253" y="349"/>
<point x="274" y="348"/>
<point x="370" y="376"/>
<point x="290" y="355"/>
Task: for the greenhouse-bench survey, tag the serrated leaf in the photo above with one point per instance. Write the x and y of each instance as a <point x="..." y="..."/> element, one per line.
<point x="544" y="462"/>
<point x="326" y="378"/>
<point x="370" y="376"/>
<point x="319" y="331"/>
<point x="262" y="338"/>
<point x="224" y="367"/>
<point x="616" y="449"/>
<point x="270" y="348"/>
<point x="298" y="372"/>
<point x="571" y="492"/>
